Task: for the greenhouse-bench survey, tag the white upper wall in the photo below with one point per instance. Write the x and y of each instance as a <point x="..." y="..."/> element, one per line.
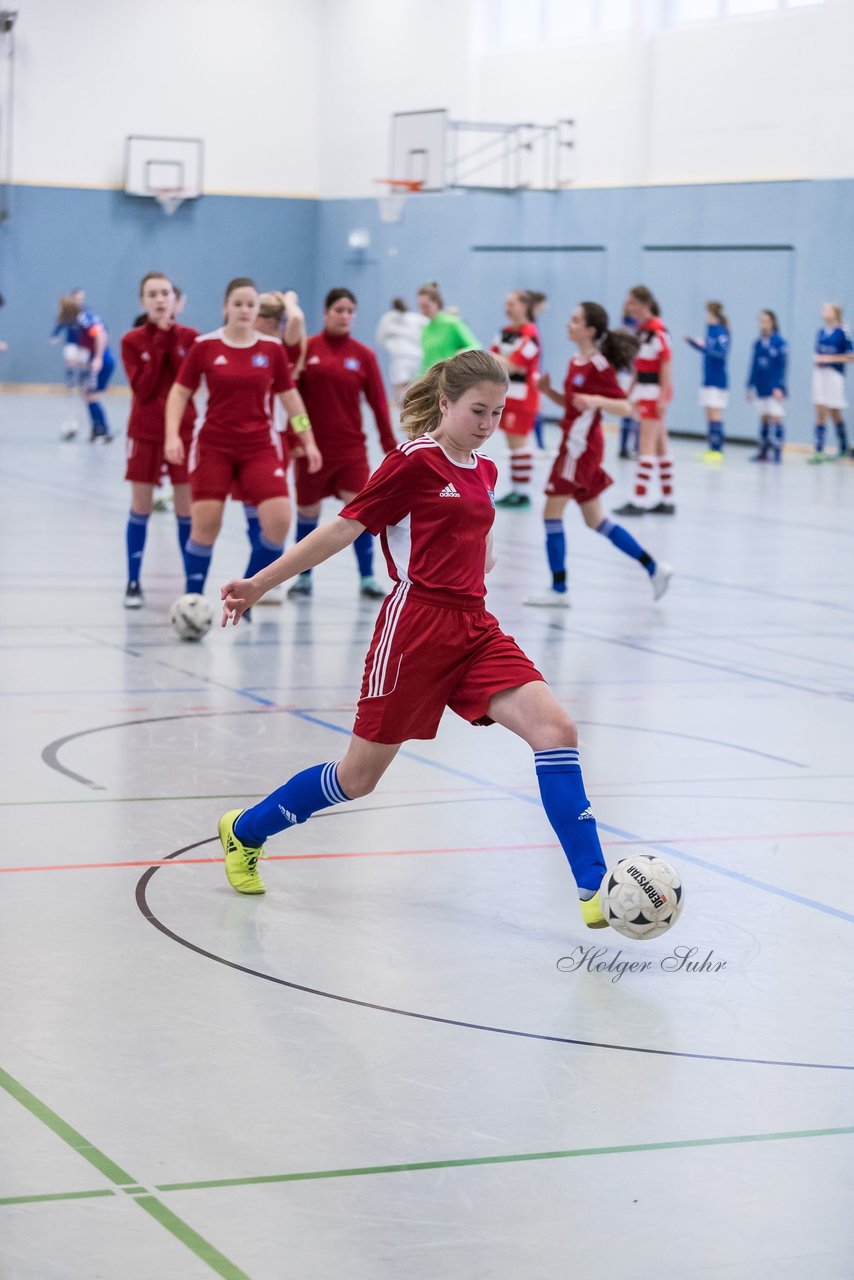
<point x="241" y="76"/>
<point x="294" y="97"/>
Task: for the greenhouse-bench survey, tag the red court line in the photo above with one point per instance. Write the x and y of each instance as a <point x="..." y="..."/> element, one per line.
<point x="407" y="853"/>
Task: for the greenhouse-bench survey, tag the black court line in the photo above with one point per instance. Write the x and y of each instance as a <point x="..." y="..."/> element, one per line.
<point x="141" y="896"/>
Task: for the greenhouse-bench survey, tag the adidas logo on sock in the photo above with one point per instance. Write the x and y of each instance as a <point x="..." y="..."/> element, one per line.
<point x="292" y="817"/>
<point x="588" y="813"/>
<point x="449" y="492"/>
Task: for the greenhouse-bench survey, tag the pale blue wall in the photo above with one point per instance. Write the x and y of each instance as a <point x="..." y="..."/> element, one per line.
<point x="105" y="241"/>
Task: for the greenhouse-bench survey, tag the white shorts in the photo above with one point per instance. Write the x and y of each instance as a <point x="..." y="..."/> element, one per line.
<point x="713" y="398"/>
<point x="770" y="407"/>
<point x="74" y="355"/>
<point x="828" y="387"/>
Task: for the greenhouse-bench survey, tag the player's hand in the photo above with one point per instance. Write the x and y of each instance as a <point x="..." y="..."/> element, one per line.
<point x="166" y="323"/>
<point x="544" y="383"/>
<point x="237" y="596"/>
<point x="95" y="366"/>
<point x="313" y="456"/>
<point x="173" y="451"/>
<point x="583" y="403"/>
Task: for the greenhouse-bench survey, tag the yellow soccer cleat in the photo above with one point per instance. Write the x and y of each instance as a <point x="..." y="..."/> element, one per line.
<point x="713" y="456"/>
<point x="241" y="861"/>
<point x="591" y="912"/>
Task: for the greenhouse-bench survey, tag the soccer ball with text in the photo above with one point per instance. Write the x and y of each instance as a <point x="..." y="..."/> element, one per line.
<point x="642" y="896"/>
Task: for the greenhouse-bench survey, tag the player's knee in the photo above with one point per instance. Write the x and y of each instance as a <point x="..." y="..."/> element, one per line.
<point x="356" y="783"/>
<point x="556" y="730"/>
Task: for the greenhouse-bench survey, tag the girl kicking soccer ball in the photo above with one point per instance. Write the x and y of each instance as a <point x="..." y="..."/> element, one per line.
<point x="591" y="388"/>
<point x="434" y="645"/>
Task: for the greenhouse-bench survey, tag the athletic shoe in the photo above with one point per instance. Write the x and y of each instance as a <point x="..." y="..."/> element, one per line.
<point x="592" y="913"/>
<point x="514" y="501"/>
<point x="660" y="579"/>
<point x="549" y="600"/>
<point x="761" y="456"/>
<point x="713" y="456"/>
<point x="631" y="509"/>
<point x="274" y="596"/>
<point x="133" y="596"/>
<point x="301" y="588"/>
<point x="624" y="453"/>
<point x="663" y="509"/>
<point x="241" y="861"/>
<point x="371" y="589"/>
<point x="816" y="459"/>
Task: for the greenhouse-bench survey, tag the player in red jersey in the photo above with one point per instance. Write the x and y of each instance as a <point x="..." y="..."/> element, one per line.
<point x="591" y="389"/>
<point x="650" y="393"/>
<point x="152" y="354"/>
<point x="517" y="347"/>
<point x="434" y="645"/>
<point x="243" y="371"/>
<point x="338" y="372"/>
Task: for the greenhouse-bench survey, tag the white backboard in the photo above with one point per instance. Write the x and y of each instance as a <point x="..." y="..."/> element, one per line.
<point x="418" y="148"/>
<point x="153" y="164"/>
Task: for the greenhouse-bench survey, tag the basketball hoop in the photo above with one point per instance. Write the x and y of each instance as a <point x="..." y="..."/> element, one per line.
<point x="169" y="198"/>
<point x="391" y="204"/>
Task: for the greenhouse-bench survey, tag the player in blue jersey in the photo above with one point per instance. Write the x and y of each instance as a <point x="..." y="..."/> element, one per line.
<point x="713" y="389"/>
<point x="833" y="350"/>
<point x="98" y="370"/>
<point x="766" y="385"/>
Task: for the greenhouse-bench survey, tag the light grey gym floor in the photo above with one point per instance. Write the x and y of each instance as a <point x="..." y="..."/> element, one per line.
<point x="381" y="1070"/>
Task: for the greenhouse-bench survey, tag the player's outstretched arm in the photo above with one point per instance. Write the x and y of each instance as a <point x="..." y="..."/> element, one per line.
<point x="242" y="593"/>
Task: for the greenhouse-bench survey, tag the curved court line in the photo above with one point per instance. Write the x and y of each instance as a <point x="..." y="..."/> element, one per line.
<point x="147" y="913"/>
<point x="50" y="753"/>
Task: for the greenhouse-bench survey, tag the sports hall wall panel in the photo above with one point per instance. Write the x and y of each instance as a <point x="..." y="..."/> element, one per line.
<point x="104" y="241"/>
<point x="753" y="245"/>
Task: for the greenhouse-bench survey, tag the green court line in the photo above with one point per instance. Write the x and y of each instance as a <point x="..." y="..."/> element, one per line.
<point x="514" y="1159"/>
<point x="154" y="1208"/>
<point x="57" y="1195"/>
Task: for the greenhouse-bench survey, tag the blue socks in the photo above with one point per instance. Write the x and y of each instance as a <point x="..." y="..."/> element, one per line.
<point x="197" y="561"/>
<point x="264" y="552"/>
<point x="628" y="432"/>
<point x="305" y="526"/>
<point x="137" y="527"/>
<point x="568" y="810"/>
<point x="364" y="549"/>
<point x="820" y="435"/>
<point x="716" y="436"/>
<point x="556" y="553"/>
<point x="100" y="426"/>
<point x="624" y="542"/>
<point x="779" y="440"/>
<point x="306" y="793"/>
<point x="842" y="437"/>
<point x="253" y="524"/>
<point x="184" y="525"/>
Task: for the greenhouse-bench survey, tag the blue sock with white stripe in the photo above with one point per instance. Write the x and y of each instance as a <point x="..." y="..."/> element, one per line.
<point x="623" y="541"/>
<point x="137" y="528"/>
<point x="364" y="549"/>
<point x="197" y="561"/>
<point x="716" y="436"/>
<point x="568" y="810"/>
<point x="185" y="524"/>
<point x="820" y="435"/>
<point x="556" y="554"/>
<point x="253" y="524"/>
<point x="304" y="794"/>
<point x="264" y="552"/>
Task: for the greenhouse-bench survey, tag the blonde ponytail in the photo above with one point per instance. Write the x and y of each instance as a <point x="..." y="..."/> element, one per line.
<point x="420" y="411"/>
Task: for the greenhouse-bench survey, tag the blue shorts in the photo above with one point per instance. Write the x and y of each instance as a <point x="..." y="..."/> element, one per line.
<point x="100" y="383"/>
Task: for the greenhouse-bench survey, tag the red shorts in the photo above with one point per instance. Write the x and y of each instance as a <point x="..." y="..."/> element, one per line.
<point x="581" y="478"/>
<point x="147" y="465"/>
<point x="343" y="475"/>
<point x="647" y="410"/>
<point x="252" y="467"/>
<point x="517" y="422"/>
<point x="432" y="650"/>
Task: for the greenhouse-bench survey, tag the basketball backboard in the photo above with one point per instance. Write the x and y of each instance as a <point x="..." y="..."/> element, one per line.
<point x="418" y="148"/>
<point x="154" y="165"/>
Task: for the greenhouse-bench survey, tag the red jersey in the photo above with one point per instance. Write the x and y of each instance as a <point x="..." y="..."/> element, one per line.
<point x="241" y="383"/>
<point x="592" y="377"/>
<point x="337" y="373"/>
<point x="654" y="350"/>
<point x="152" y="358"/>
<point x="433" y="516"/>
<point x="520" y="345"/>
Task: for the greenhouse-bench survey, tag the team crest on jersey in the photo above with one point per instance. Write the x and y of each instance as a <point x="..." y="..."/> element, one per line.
<point x="260" y="362"/>
<point x="491" y="493"/>
<point x="578" y="380"/>
<point x="352" y="363"/>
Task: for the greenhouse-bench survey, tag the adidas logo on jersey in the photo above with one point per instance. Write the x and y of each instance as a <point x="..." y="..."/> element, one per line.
<point x="220" y="360"/>
<point x="278" y="472"/>
<point x="449" y="492"/>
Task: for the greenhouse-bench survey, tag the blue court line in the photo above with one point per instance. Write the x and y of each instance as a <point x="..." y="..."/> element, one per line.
<point x="666" y="849"/>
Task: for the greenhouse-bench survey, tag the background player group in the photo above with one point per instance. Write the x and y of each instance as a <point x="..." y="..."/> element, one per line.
<point x="275" y="394"/>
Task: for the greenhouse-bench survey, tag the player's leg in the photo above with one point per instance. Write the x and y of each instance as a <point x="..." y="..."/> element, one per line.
<point x="533" y="713"/>
<point x="666" y="507"/>
<point x="206" y="522"/>
<point x="243" y="833"/>
<point x="141" y="497"/>
<point x="778" y="425"/>
<point x="595" y="518"/>
<point x="714" y="425"/>
<point x="521" y="462"/>
<point x="557" y="597"/>
<point x="94" y="388"/>
<point x="181" y="503"/>
<point x="647" y="436"/>
<point x="764" y="448"/>
<point x="841" y="433"/>
<point x="820" y="433"/>
<point x="350" y="477"/>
